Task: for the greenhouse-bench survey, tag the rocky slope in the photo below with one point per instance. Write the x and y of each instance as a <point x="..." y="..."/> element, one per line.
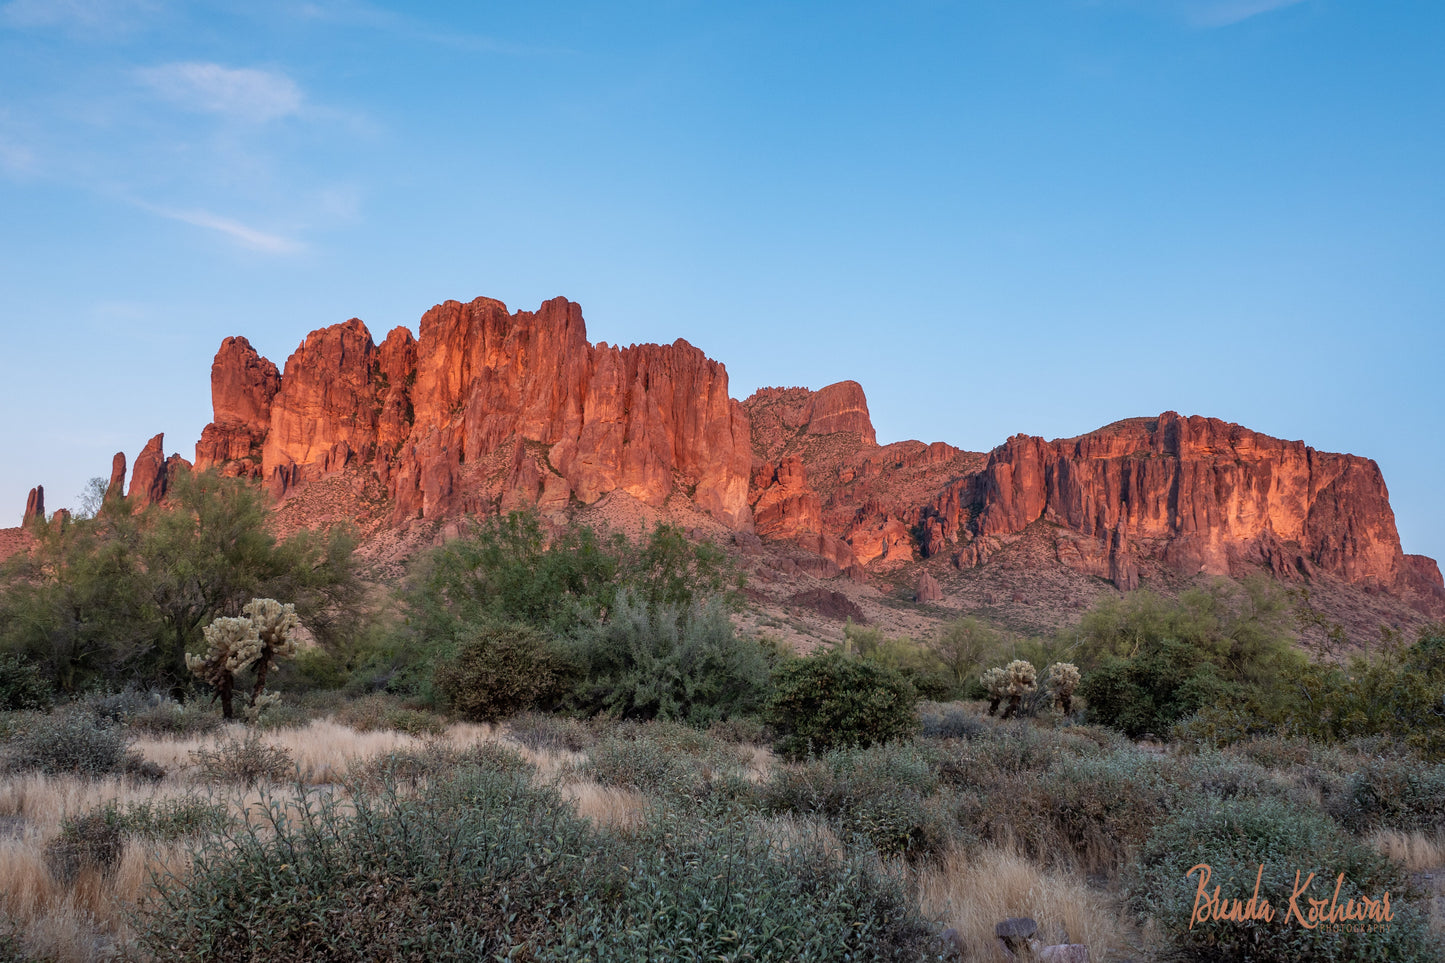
<point x="488" y="410"/>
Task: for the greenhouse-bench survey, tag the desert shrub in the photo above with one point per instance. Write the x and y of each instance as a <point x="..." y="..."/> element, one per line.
<point x="73" y="742"/>
<point x="1227" y="776"/>
<point x="481" y="864"/>
<point x="499" y="670"/>
<point x="830" y="700"/>
<point x="881" y="794"/>
<point x="712" y="885"/>
<point x="1237" y="837"/>
<point x="747" y="730"/>
<point x="484" y="865"/>
<point x="1082" y="813"/>
<point x="378" y="711"/>
<point x="942" y="720"/>
<point x="652" y="660"/>
<point x="243" y="761"/>
<point x="22" y="686"/>
<point x="87" y="842"/>
<point x="1403" y="794"/>
<point x="169" y="718"/>
<point x="539" y="731"/>
<point x="651" y="762"/>
<point x="413" y="768"/>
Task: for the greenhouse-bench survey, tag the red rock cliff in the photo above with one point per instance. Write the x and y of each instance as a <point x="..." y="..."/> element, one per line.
<point x="648" y="419"/>
<point x="1201" y="494"/>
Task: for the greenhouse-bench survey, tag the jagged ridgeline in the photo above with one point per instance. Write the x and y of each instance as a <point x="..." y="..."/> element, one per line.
<point x="492" y="410"/>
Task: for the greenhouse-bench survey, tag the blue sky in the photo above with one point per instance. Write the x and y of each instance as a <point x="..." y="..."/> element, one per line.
<point x="999" y="216"/>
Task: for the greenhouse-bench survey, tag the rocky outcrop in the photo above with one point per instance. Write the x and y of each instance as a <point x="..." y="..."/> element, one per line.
<point x="1200" y="494"/>
<point x="487" y="409"/>
<point x="927" y="589"/>
<point x="649" y="420"/>
<point x="243" y="385"/>
<point x="116" y="486"/>
<point x="34" y="506"/>
<point x="149" y="479"/>
<point x="784" y="506"/>
<point x="840" y="407"/>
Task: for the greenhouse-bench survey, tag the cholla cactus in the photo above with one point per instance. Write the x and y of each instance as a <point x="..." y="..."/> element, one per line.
<point x="1062" y="680"/>
<point x="1022" y="678"/>
<point x="995" y="680"/>
<point x="266" y="635"/>
<point x="231" y="646"/>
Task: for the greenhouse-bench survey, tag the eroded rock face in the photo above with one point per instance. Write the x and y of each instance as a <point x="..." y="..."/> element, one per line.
<point x="1202" y="494"/>
<point x="649" y="420"/>
<point x="840" y="407"/>
<point x="148" y="480"/>
<point x="489" y="409"/>
<point x="116" y="487"/>
<point x="34" y="506"/>
<point x="243" y="385"/>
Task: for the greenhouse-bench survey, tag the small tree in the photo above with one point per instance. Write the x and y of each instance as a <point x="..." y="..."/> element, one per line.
<point x="834" y="699"/>
<point x="266" y="635"/>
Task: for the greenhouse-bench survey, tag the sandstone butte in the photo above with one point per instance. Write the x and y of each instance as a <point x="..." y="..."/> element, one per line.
<point x="488" y="410"/>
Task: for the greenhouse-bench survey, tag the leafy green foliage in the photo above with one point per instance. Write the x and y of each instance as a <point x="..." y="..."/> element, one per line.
<point x="1162" y="684"/>
<point x="1236" y="837"/>
<point x="647" y="660"/>
<point x="483" y="864"/>
<point x="917" y="663"/>
<point x="22" y="686"/>
<point x="500" y="669"/>
<point x="964" y="647"/>
<point x="508" y="569"/>
<point x="124" y="595"/>
<point x="72" y="742"/>
<point x="833" y="699"/>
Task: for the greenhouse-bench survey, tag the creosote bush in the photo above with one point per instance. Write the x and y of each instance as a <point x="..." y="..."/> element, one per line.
<point x="501" y="669"/>
<point x="833" y="699"/>
<point x="246" y="761"/>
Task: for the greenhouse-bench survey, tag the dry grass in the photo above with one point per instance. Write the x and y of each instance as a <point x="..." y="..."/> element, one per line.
<point x="85" y="920"/>
<point x="1417" y="852"/>
<point x="971" y="893"/>
<point x="606" y="806"/>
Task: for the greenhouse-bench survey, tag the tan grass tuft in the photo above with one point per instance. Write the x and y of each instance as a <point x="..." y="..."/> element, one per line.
<point x="606" y="806"/>
<point x="1417" y="852"/>
<point x="972" y="893"/>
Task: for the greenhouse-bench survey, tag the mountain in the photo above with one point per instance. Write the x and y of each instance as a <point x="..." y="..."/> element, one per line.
<point x="489" y="410"/>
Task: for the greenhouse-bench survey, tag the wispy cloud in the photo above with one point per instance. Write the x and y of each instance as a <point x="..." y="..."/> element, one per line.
<point x="247" y="236"/>
<point x="83" y="16"/>
<point x="243" y="93"/>
<point x="1222" y="13"/>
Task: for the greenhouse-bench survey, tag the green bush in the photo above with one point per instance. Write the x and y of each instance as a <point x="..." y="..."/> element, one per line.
<point x="651" y="660"/>
<point x="884" y="794"/>
<point x="380" y="711"/>
<point x="833" y="699"/>
<point x="1235" y="838"/>
<point x="1403" y="794"/>
<point x="169" y="718"/>
<point x="500" y="669"/>
<point x="74" y="742"/>
<point x="88" y="842"/>
<point x="484" y="865"/>
<point x="22" y="686"/>
<point x="663" y="759"/>
<point x="1155" y="689"/>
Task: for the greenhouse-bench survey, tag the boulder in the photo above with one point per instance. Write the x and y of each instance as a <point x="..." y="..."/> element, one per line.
<point x="927" y="589"/>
